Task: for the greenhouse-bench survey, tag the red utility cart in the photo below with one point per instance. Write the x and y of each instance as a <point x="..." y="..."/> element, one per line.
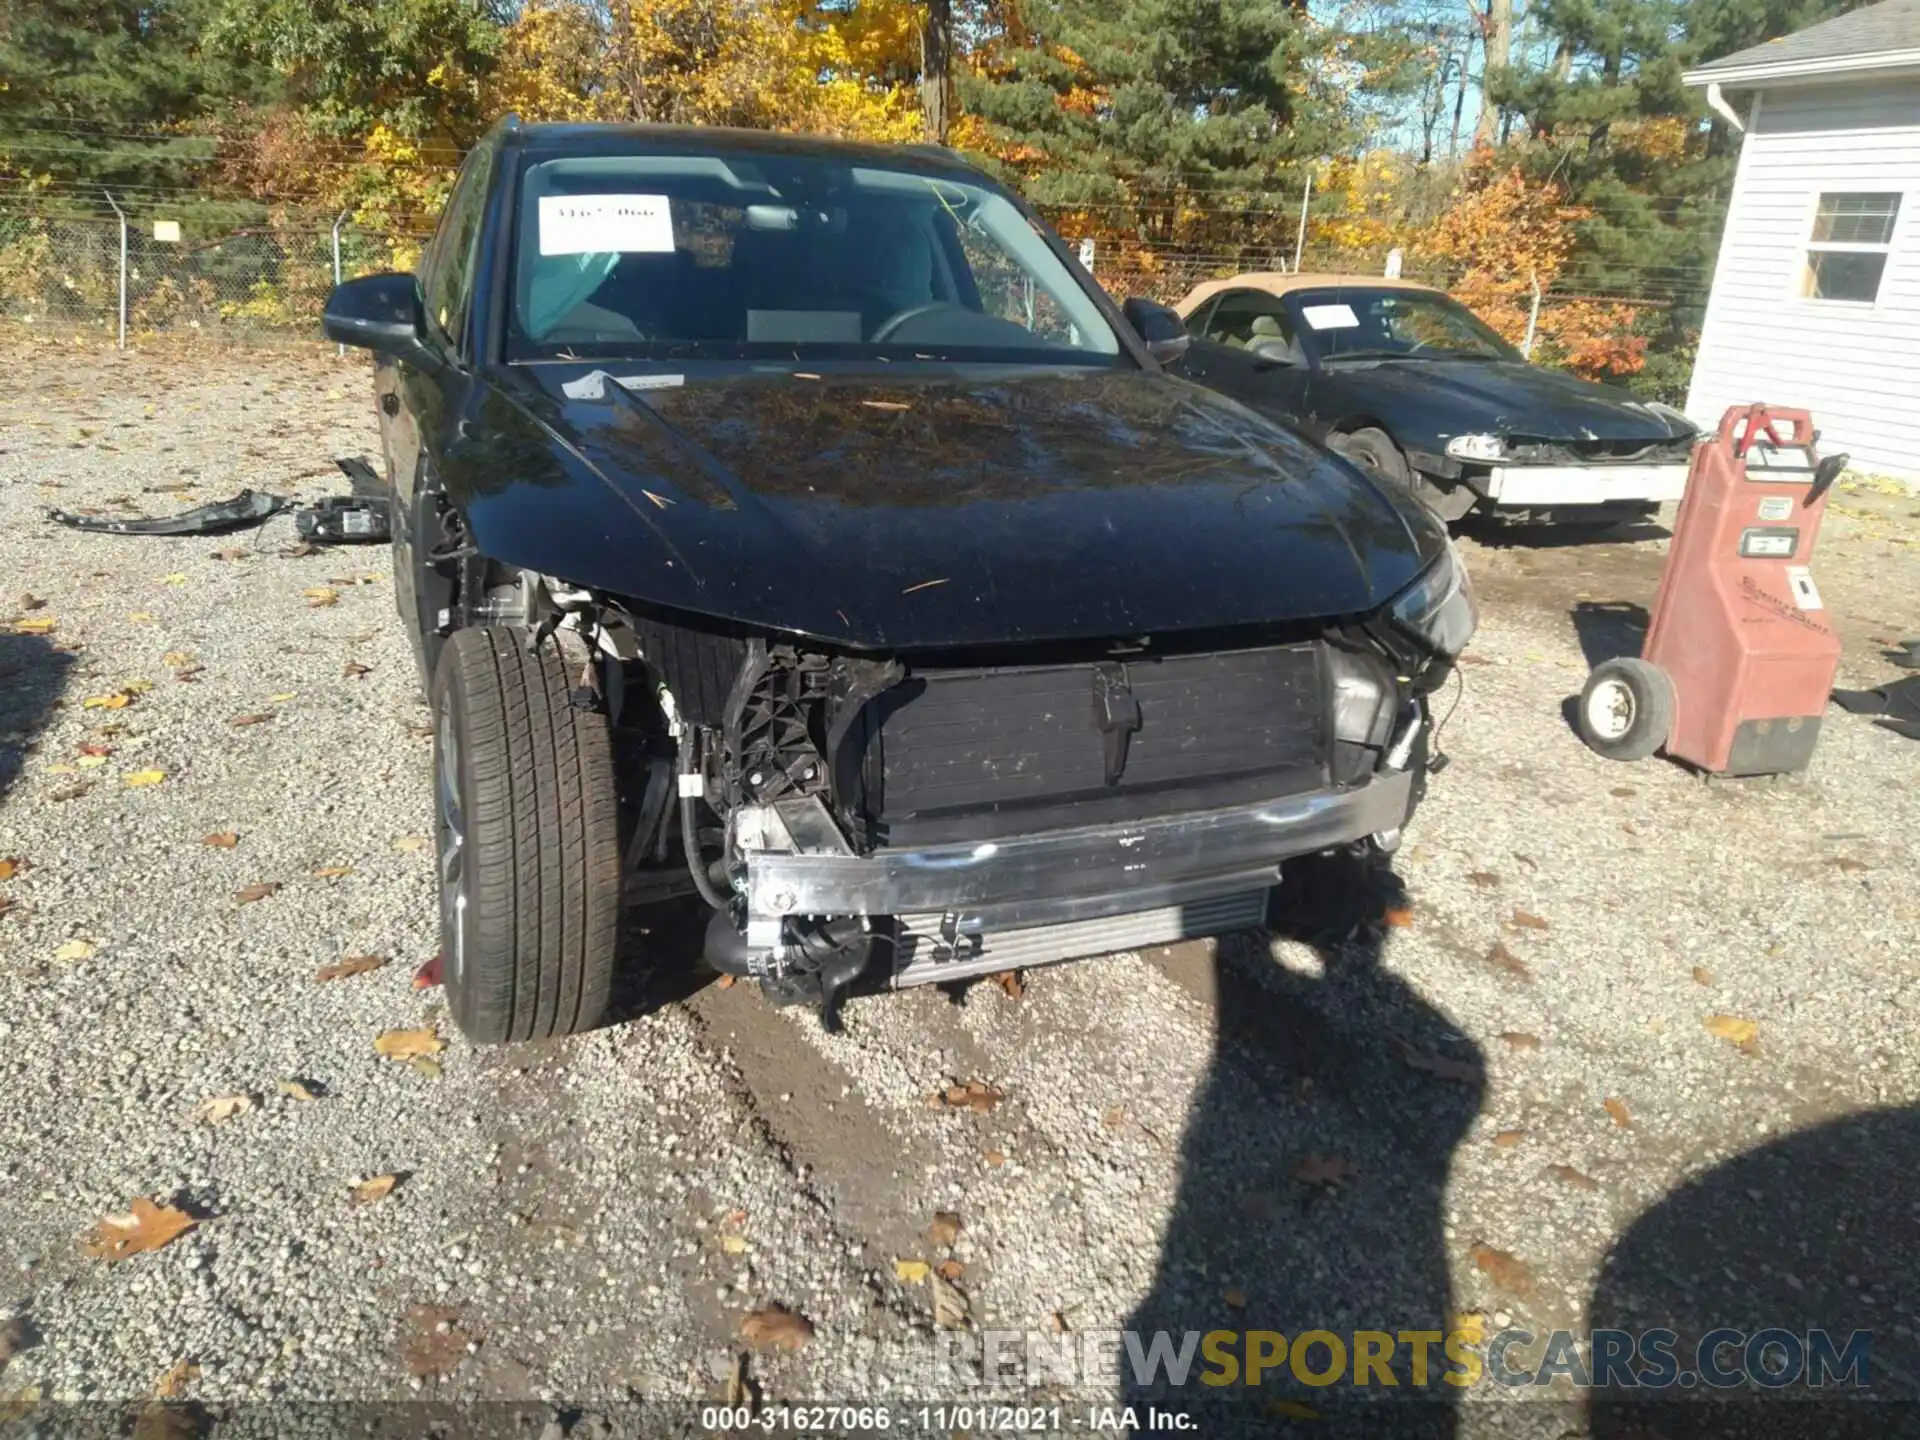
<point x="1739" y="657"/>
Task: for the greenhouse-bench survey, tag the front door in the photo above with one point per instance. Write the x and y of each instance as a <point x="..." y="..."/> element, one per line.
<point x="1244" y="346"/>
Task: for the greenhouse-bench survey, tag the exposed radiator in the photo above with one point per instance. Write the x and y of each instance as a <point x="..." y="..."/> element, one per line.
<point x="922" y="956"/>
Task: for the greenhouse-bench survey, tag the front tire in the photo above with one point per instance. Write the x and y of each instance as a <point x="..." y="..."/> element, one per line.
<point x="527" y="840"/>
<point x="1626" y="709"/>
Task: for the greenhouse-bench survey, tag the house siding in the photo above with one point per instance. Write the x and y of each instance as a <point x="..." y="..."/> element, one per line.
<point x="1857" y="368"/>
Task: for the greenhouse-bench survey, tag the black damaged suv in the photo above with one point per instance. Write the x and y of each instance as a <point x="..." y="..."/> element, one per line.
<point x="794" y="523"/>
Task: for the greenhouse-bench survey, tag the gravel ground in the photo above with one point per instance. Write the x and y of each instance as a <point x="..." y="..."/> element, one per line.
<point x="1487" y="1086"/>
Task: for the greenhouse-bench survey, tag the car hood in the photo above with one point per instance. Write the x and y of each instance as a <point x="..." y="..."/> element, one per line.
<point x="1509" y="397"/>
<point x="940" y="509"/>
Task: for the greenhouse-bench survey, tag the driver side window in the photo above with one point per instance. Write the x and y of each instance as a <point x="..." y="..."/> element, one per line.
<point x="1252" y="320"/>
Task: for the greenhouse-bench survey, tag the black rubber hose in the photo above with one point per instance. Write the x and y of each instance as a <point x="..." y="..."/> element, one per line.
<point x="690" y="838"/>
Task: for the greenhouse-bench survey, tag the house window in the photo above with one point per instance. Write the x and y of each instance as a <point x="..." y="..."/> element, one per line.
<point x="1847" y="253"/>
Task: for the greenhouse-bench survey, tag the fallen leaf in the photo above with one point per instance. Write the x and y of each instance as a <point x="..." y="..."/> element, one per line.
<point x="350" y="965"/>
<point x="1508" y="963"/>
<point x="39" y="625"/>
<point x="425" y="1065"/>
<point x="727" y="982"/>
<point x="1573" y="1177"/>
<point x="221" y="839"/>
<point x="319" y="596"/>
<point x="911" y="1272"/>
<point x="222" y="1108"/>
<point x="117" y="701"/>
<point x="1617" y="1108"/>
<point x="71" y="792"/>
<point x="1847" y="865"/>
<point x="332" y="872"/>
<point x="174" y="659"/>
<point x="1057" y="1323"/>
<point x="1485" y="879"/>
<point x="146" y="777"/>
<point x="91" y="762"/>
<point x="145" y="1227"/>
<point x="1731" y="1028"/>
<point x="1114" y="1117"/>
<point x="1623" y="791"/>
<point x="299" y="550"/>
<point x="171" y="1385"/>
<point x="295" y="1090"/>
<point x="1702" y="975"/>
<point x="428" y="975"/>
<point x="11" y="867"/>
<point x="283" y="697"/>
<point x="1507" y="1139"/>
<point x="1505" y="1270"/>
<point x="1235" y="1297"/>
<point x="140" y="617"/>
<point x="1447" y="1068"/>
<point x="975" y="1095"/>
<point x="1398" y="917"/>
<point x="353" y="670"/>
<point x="257" y="718"/>
<point x="405" y="1044"/>
<point x="74" y="950"/>
<point x="775" y="1326"/>
<point x="1520" y="1039"/>
<point x="945" y="1228"/>
<point x="734" y="1244"/>
<point x="410" y="843"/>
<point x="949" y="1269"/>
<point x="995" y="1158"/>
<point x="176" y="578"/>
<point x="951" y="1309"/>
<point x="233" y="554"/>
<point x="257" y="892"/>
<point x="1523" y="921"/>
<point x="91" y="749"/>
<point x="1009" y="981"/>
<point x="1329" y="1170"/>
<point x="365" y="1192"/>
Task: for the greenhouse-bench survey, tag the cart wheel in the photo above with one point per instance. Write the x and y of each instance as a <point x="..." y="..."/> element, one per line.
<point x="1626" y="710"/>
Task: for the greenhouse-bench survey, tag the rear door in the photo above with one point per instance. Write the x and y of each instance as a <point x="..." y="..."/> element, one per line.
<point x="1244" y="346"/>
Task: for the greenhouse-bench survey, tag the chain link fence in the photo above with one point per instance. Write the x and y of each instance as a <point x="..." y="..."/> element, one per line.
<point x="71" y="275"/>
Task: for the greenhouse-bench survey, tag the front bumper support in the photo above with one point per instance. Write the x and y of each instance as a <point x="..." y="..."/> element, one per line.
<point x="1067" y="875"/>
<point x="1545" y="486"/>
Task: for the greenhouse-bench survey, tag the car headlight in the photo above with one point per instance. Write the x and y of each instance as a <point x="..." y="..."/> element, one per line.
<point x="1438" y="609"/>
<point x="1477" y="447"/>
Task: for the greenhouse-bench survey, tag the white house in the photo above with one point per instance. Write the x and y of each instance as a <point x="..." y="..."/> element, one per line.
<point x="1816" y="298"/>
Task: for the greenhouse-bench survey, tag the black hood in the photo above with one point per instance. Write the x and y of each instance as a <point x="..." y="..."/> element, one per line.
<point x="1510" y="397"/>
<point x="945" y="508"/>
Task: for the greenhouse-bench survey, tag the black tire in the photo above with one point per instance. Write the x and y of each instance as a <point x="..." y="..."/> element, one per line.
<point x="1374" y="451"/>
<point x="529" y="852"/>
<point x="1626" y="709"/>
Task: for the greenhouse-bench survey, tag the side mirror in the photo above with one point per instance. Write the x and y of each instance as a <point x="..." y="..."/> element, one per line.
<point x="1157" y="324"/>
<point x="381" y="313"/>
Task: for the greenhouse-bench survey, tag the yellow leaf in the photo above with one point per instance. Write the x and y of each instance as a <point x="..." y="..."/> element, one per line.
<point x="118" y="701"/>
<point x="410" y="843"/>
<point x="176" y="658"/>
<point x="177" y="578"/>
<point x="145" y="1227"/>
<point x="424" y="1065"/>
<point x="91" y="762"/>
<point x="294" y="1090"/>
<point x="62" y="768"/>
<point x="146" y="777"/>
<point x="74" y="950"/>
<point x="38" y="625"/>
<point x="221" y="840"/>
<point x="1733" y="1029"/>
<point x="404" y="1044"/>
<point x="320" y="595"/>
<point x="378" y="1188"/>
<point x="911" y="1272"/>
<point x="222" y="1107"/>
<point x="734" y="1244"/>
<point x="136" y="687"/>
<point x="282" y="697"/>
<point x="140" y="617"/>
<point x="170" y="1385"/>
<point x="332" y="872"/>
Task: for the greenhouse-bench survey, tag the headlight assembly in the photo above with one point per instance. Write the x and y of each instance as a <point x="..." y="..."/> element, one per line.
<point x="1438" y="609"/>
<point x="1477" y="447"/>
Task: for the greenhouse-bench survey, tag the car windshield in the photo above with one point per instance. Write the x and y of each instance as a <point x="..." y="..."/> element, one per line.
<point x="1398" y="325"/>
<point x="777" y="255"/>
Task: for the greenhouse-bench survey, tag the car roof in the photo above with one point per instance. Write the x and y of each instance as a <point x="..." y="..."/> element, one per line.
<point x="568" y="138"/>
<point x="1280" y="282"/>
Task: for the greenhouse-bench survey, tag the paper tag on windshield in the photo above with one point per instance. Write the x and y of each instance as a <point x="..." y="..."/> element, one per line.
<point x="1330" y="317"/>
<point x="605" y="224"/>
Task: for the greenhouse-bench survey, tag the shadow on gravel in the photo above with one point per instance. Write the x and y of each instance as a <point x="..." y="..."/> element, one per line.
<point x="1310" y="1075"/>
<point x="659" y="960"/>
<point x="1819" y="1231"/>
<point x="33" y="675"/>
<point x="1609" y="629"/>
